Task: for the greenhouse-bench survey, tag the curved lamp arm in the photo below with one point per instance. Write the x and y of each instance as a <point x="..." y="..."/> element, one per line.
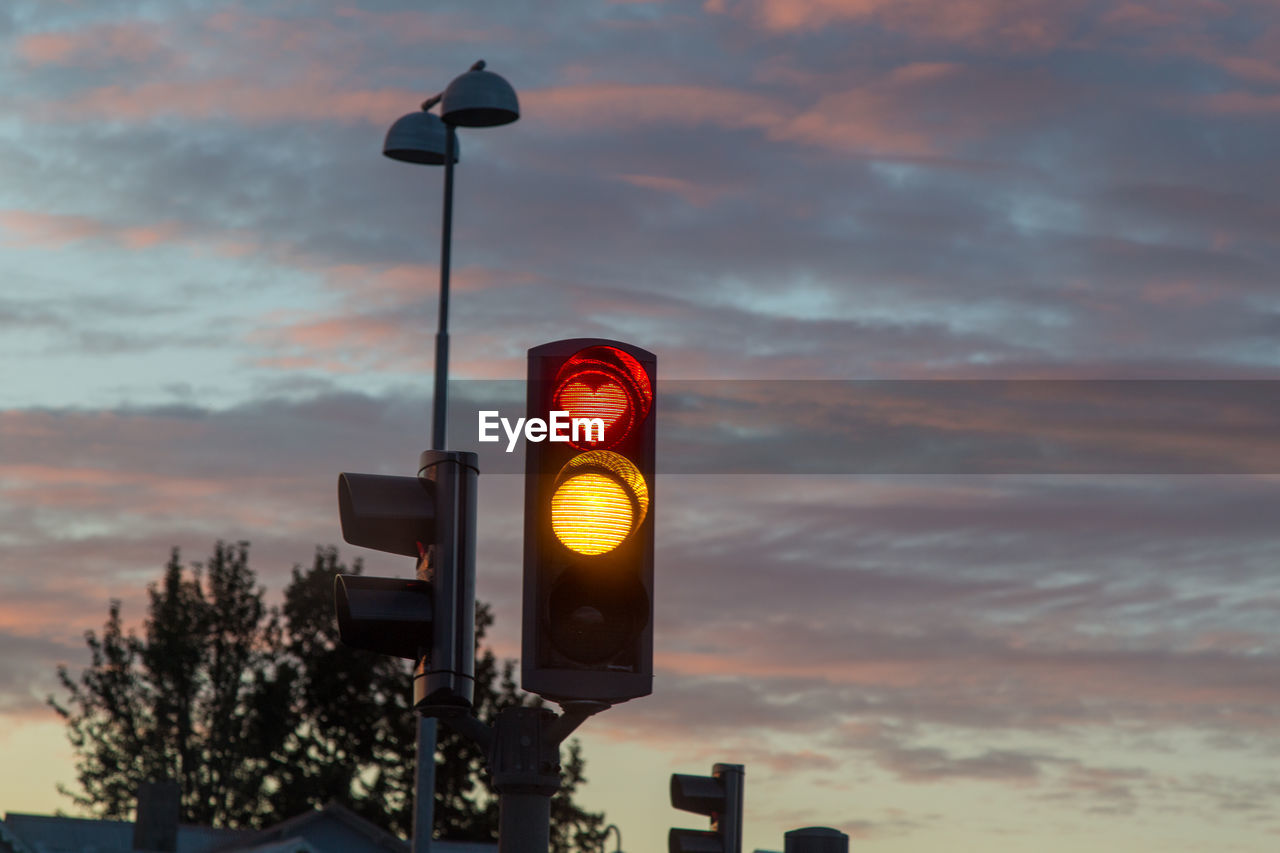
<point x="605" y="837"/>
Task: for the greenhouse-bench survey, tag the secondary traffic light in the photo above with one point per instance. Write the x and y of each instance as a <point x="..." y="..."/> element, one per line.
<point x="588" y="521"/>
<point x="430" y="620"/>
<point x="719" y="796"/>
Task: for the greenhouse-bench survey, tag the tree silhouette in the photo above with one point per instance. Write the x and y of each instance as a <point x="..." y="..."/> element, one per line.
<point x="261" y="714"/>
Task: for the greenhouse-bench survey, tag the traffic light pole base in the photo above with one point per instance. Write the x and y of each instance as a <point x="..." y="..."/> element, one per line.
<point x="523" y="748"/>
<point x="524" y="822"/>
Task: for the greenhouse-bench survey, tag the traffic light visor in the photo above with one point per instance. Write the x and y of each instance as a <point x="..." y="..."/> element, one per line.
<point x="604" y="384"/>
<point x="600" y="499"/>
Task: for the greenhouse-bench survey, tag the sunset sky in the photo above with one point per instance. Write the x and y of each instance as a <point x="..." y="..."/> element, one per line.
<point x="968" y="616"/>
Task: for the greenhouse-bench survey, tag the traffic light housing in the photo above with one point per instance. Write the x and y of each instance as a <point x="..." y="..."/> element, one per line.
<point x="588" y="522"/>
<point x="718" y="796"/>
<point x="430" y="619"/>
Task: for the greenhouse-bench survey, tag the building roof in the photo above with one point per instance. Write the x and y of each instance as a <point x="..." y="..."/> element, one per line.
<point x="332" y="829"/>
<point x="37" y="833"/>
<point x="289" y="845"/>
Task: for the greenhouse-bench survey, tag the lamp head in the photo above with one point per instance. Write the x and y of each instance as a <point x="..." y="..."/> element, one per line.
<point x="418" y="138"/>
<point x="479" y="98"/>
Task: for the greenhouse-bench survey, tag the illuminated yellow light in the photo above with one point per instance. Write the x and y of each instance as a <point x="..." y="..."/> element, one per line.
<point x="599" y="501"/>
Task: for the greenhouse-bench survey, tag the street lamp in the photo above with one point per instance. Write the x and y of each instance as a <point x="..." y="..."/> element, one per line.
<point x="476" y="98"/>
<point x="605" y="837"/>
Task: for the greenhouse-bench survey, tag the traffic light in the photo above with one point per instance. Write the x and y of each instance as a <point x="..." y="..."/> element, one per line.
<point x="718" y="795"/>
<point x="431" y="619"/>
<point x="588" y="521"/>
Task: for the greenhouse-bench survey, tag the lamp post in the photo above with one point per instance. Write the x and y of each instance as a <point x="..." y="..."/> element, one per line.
<point x="476" y="98"/>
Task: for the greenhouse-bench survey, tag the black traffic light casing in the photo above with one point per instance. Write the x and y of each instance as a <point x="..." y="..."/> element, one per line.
<point x="430" y="620"/>
<point x="390" y="616"/>
<point x="588" y="606"/>
<point x="720" y="797"/>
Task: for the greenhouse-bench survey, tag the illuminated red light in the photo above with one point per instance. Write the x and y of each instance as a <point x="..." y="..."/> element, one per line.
<point x="606" y="383"/>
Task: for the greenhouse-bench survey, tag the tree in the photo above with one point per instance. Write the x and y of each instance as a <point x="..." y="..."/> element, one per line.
<point x="338" y="691"/>
<point x="261" y="714"/>
<point x="572" y="827"/>
<point x="183" y="702"/>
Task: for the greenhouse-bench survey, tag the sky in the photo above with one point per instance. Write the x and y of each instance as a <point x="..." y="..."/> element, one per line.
<point x="1036" y="609"/>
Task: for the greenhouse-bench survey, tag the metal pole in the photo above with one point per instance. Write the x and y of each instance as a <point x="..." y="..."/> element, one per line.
<point x="524" y="763"/>
<point x="442" y="330"/>
<point x="424" y="777"/>
<point x="524" y="822"/>
<point x="424" y="786"/>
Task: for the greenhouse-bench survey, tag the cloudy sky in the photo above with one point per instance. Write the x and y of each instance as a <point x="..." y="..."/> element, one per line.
<point x="1010" y="613"/>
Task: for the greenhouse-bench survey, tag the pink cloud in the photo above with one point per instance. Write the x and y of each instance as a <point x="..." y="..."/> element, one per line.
<point x="883" y="673"/>
<point x="873" y="117"/>
<point x="401" y="284"/>
<point x="56" y="230"/>
<point x="1256" y="68"/>
<point x="621" y="105"/>
<point x="922" y="109"/>
<point x="51" y="230"/>
<point x="342" y="39"/>
<point x="316" y="97"/>
<point x="308" y="84"/>
<point x="1137" y="17"/>
<point x="86" y="488"/>
<point x="347" y="332"/>
<point x="1007" y="685"/>
<point x="146" y="236"/>
<point x="94" y="47"/>
<point x="912" y="111"/>
<point x="1192" y="29"/>
<point x="418" y="26"/>
<point x="1183" y="292"/>
<point x="1240" y="104"/>
<point x="1018" y="24"/>
<point x="374" y="327"/>
<point x="690" y="192"/>
<point x="915" y="110"/>
<point x="341" y="344"/>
